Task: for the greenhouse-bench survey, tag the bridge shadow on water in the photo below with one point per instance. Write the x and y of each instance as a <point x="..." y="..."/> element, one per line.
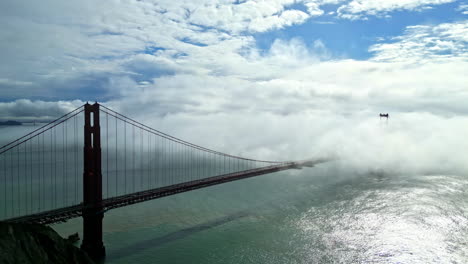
<point x="180" y="234"/>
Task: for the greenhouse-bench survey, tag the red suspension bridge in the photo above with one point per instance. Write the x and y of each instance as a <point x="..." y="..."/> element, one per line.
<point x="56" y="173"/>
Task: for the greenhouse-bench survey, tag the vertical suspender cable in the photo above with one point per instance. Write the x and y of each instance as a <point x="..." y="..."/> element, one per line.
<point x="5" y="185"/>
<point x="125" y="155"/>
<point x="11" y="183"/>
<point x="41" y="197"/>
<point x="26" y="178"/>
<point x="31" y="173"/>
<point x="75" y="163"/>
<point x="171" y="155"/>
<point x="154" y="161"/>
<point x="160" y="162"/>
<point x="171" y="163"/>
<point x="107" y="155"/>
<point x="166" y="161"/>
<point x="177" y="164"/>
<point x="149" y="162"/>
<point x="64" y="157"/>
<point x="18" y="180"/>
<point x="133" y="157"/>
<point x="141" y="159"/>
<point x="55" y="168"/>
<point x="149" y="158"/>
<point x="116" y="161"/>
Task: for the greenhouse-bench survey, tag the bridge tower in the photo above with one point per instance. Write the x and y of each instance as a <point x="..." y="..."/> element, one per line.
<point x="92" y="184"/>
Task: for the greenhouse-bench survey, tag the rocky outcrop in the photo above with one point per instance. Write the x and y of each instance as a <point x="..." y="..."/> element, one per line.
<point x="31" y="243"/>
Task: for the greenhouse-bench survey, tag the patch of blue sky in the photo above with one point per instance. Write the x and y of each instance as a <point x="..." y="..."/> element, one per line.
<point x="203" y="28"/>
<point x="146" y="71"/>
<point x="153" y="49"/>
<point x="193" y="42"/>
<point x="352" y="39"/>
<point x="297" y="6"/>
<point x="112" y="33"/>
<point x="95" y="90"/>
<point x="104" y="32"/>
<point x="147" y="75"/>
<point x="93" y="86"/>
<point x="111" y="57"/>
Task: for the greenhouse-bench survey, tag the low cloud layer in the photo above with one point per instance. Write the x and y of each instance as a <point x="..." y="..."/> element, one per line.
<point x="27" y="110"/>
<point x="196" y="71"/>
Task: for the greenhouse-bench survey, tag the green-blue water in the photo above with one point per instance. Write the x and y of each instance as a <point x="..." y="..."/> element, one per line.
<point x="316" y="215"/>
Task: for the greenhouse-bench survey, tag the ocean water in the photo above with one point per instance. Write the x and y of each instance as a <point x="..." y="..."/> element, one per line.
<point x="323" y="214"/>
<point x="315" y="215"/>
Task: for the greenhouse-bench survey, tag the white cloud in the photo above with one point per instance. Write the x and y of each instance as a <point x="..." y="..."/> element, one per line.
<point x="359" y="9"/>
<point x="286" y="18"/>
<point x="425" y="42"/>
<point x="83" y="40"/>
<point x="75" y="42"/>
<point x="463" y="8"/>
<point x="24" y="109"/>
<point x="203" y="79"/>
<point x="254" y="16"/>
<point x="312" y="107"/>
<point x="313" y="9"/>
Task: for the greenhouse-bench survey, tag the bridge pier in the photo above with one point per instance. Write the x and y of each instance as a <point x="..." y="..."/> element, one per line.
<point x="92" y="235"/>
<point x="92" y="185"/>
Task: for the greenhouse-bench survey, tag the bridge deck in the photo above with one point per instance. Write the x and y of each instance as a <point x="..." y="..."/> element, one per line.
<point x="63" y="214"/>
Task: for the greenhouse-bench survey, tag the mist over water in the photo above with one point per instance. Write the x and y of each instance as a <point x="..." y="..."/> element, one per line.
<point x="309" y="216"/>
<point x="355" y="209"/>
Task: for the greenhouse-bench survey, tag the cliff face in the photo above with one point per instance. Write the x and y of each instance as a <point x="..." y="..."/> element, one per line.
<point x="30" y="243"/>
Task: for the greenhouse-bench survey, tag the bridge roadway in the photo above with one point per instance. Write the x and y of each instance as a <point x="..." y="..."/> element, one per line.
<point x="66" y="213"/>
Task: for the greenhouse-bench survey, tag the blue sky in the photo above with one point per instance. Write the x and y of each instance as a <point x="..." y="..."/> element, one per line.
<point x="352" y="38"/>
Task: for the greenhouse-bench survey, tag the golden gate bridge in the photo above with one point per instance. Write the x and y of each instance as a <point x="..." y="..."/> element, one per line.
<point x="56" y="172"/>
